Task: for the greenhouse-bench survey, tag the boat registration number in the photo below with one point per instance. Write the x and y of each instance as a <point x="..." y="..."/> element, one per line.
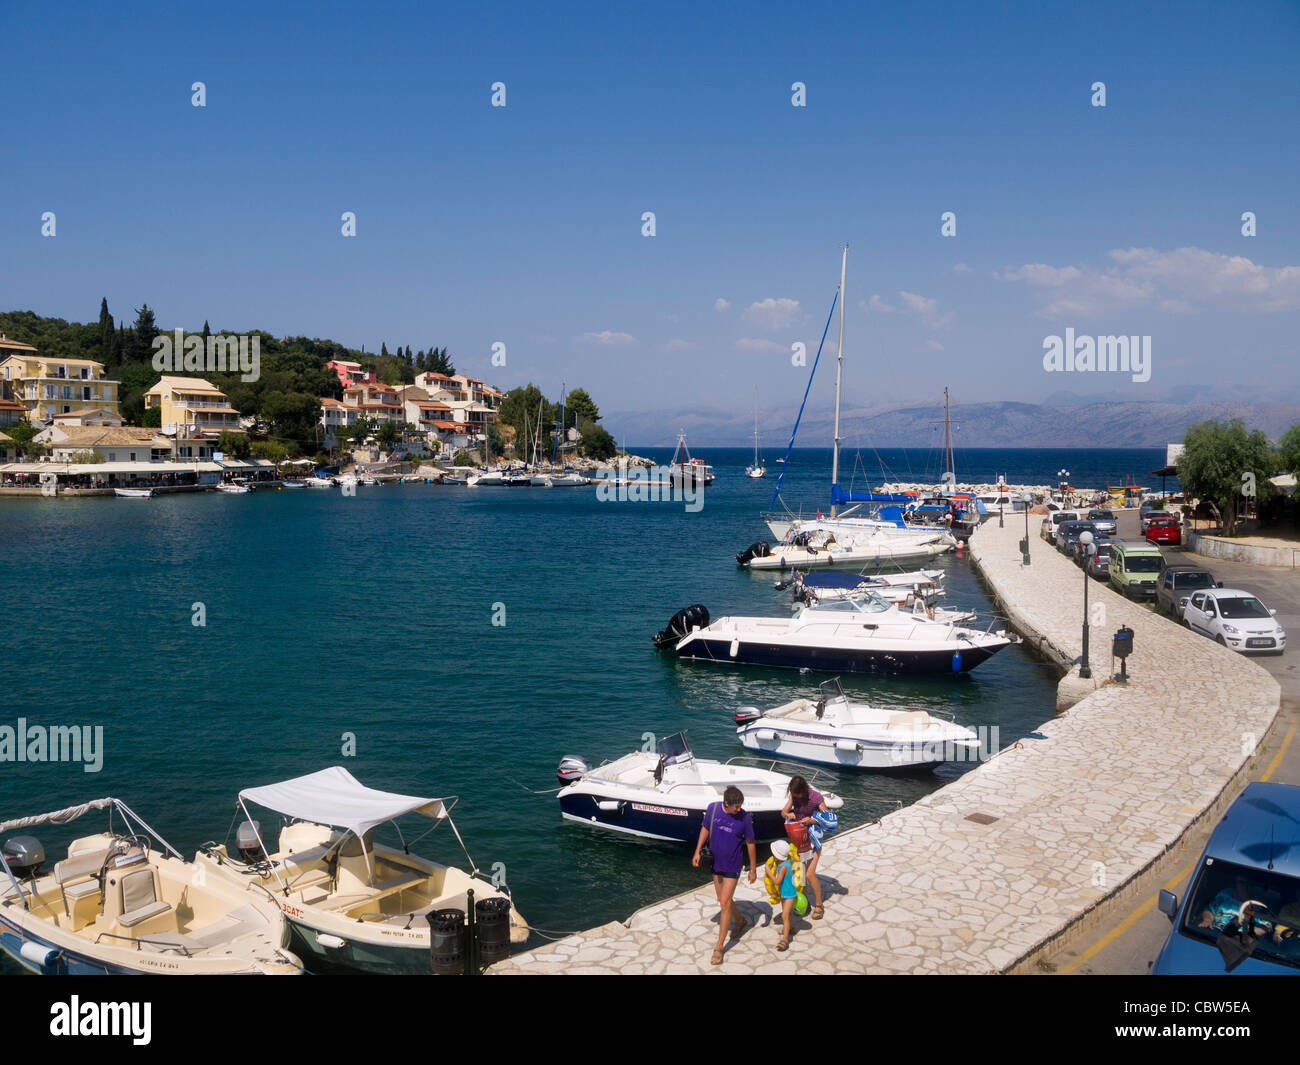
<point x="643" y="808"/>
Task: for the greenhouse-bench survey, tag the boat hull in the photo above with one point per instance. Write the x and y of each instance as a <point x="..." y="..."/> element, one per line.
<point x="834" y="659"/>
<point x="656" y="820"/>
<point x="804" y="746"/>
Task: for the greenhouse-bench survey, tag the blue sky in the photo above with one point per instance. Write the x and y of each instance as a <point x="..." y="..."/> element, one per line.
<point x="523" y="225"/>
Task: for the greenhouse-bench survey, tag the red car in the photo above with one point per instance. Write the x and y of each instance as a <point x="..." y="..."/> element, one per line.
<point x="1165" y="531"/>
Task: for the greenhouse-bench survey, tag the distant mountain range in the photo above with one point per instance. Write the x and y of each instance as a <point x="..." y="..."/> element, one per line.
<point x="973" y="425"/>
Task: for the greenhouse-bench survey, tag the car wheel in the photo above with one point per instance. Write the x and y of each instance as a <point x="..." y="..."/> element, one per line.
<point x="1220" y="641"/>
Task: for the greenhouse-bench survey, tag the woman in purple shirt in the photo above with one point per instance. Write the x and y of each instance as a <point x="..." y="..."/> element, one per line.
<point x="729" y="830"/>
<point x="802" y="804"/>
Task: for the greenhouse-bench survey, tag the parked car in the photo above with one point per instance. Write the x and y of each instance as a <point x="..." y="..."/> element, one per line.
<point x="1133" y="567"/>
<point x="1244" y="901"/>
<point x="1104" y="520"/>
<point x="1067" y="540"/>
<point x="1165" y="531"/>
<point x="1099" y="564"/>
<point x="1054" y="521"/>
<point x="1175" y="585"/>
<point x="1150" y="516"/>
<point x="1235" y="619"/>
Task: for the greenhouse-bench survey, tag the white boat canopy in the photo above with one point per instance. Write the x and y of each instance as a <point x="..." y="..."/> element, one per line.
<point x="335" y="797"/>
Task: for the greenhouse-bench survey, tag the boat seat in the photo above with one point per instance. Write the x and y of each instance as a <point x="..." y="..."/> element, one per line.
<point x="237" y="923"/>
<point x="140" y="898"/>
<point x="909" y="720"/>
<point x="78" y="880"/>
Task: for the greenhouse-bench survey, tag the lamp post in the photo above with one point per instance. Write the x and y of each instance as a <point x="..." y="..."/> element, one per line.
<point x="1026" y="551"/>
<point x="1086" y="546"/>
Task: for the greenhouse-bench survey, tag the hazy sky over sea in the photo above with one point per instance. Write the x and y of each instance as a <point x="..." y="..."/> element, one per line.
<point x="523" y="224"/>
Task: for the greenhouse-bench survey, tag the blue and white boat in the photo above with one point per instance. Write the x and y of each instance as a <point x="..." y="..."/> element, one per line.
<point x="662" y="794"/>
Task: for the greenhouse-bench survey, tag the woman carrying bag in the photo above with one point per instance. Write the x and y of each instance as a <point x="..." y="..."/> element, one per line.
<point x="728" y="830"/>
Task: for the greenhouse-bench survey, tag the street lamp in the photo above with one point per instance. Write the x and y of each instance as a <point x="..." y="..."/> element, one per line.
<point x="1088" y="550"/>
<point x="1025" y="552"/>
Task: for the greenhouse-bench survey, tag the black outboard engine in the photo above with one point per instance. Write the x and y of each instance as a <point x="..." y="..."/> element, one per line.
<point x="760" y="549"/>
<point x="247" y="846"/>
<point x="572" y="768"/>
<point x="681" y="623"/>
<point x="24" y="855"/>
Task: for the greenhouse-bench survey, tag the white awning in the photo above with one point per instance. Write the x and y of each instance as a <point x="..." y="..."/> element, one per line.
<point x="335" y="797"/>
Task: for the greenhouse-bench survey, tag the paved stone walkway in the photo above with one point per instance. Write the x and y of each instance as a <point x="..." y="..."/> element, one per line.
<point x="1065" y="816"/>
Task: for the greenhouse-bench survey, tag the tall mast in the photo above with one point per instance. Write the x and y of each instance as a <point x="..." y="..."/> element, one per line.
<point x="839" y="370"/>
<point x="947" y="445"/>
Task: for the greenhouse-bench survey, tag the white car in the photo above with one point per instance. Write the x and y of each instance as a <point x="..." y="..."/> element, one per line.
<point x="1235" y="619"/>
<point x="1053" y="522"/>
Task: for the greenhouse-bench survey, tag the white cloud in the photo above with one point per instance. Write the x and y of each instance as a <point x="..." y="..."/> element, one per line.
<point x="934" y="345"/>
<point x="678" y="344"/>
<point x="607" y="337"/>
<point x="765" y="347"/>
<point x="721" y="305"/>
<point x="876" y="304"/>
<point x="962" y="268"/>
<point x="1178" y="282"/>
<point x="772" y="314"/>
<point x="926" y="309"/>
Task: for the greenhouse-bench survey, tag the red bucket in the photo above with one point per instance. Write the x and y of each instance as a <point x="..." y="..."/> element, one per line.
<point x="799" y="840"/>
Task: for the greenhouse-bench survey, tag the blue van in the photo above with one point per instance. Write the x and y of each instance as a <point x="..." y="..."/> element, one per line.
<point x="1242" y="911"/>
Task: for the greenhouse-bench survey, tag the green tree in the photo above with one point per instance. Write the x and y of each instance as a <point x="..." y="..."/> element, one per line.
<point x="581" y="404"/>
<point x="598" y="444"/>
<point x="21" y="434"/>
<point x="151" y="417"/>
<point x="1289" y="446"/>
<point x="440" y="362"/>
<point x="362" y="428"/>
<point x="387" y="433"/>
<point x="1225" y="465"/>
<point x="235" y="445"/>
<point x="143" y="334"/>
<point x="107" y="337"/>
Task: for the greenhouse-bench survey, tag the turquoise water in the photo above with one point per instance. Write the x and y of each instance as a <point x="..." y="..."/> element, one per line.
<point x="373" y="616"/>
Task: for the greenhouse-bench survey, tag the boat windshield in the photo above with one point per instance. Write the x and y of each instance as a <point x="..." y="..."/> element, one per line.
<point x="832" y="689"/>
<point x="674" y="749"/>
<point x="864" y="603"/>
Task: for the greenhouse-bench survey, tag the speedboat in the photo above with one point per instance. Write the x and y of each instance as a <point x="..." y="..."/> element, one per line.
<point x="125" y="901"/>
<point x="133" y="493"/>
<point x="845" y="546"/>
<point x="684" y="471"/>
<point x="293" y="484"/>
<point x="902" y="589"/>
<point x="832" y="730"/>
<point x="862" y="635"/>
<point x="230" y="488"/>
<point x="318" y="482"/>
<point x="352" y="904"/>
<point x="662" y="794"/>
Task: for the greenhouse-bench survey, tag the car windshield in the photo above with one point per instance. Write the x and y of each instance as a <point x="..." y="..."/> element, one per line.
<point x="1227" y="895"/>
<point x="1184" y="581"/>
<point x="1242" y="606"/>
<point x="1101" y="515"/>
<point x="1143" y="563"/>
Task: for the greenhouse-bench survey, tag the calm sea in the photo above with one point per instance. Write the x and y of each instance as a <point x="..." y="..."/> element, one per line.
<point x="372" y="617"/>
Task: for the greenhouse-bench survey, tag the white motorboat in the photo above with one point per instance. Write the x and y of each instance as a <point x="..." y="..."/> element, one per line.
<point x="824" y="546"/>
<point x="352" y="904"/>
<point x="684" y="471"/>
<point x="318" y="482"/>
<point x="902" y="589"/>
<point x="293" y="484"/>
<point x="862" y="635"/>
<point x="230" y="488"/>
<point x="118" y="904"/>
<point x="662" y="794"/>
<point x="832" y="730"/>
<point x="133" y="493"/>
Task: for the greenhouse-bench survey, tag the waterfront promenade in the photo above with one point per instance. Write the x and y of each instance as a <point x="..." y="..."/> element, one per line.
<point x="981" y="875"/>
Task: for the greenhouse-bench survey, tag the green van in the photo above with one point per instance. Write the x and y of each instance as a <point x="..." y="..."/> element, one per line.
<point x="1134" y="568"/>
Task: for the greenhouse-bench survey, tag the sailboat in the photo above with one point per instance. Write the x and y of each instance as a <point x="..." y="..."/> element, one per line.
<point x="839" y="539"/>
<point x="757" y="470"/>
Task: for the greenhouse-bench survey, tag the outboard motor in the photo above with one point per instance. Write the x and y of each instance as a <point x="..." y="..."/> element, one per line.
<point x="572" y="768"/>
<point x="247" y="847"/>
<point x="760" y="549"/>
<point x="680" y="625"/>
<point x="24" y="855"/>
<point x="746" y="714"/>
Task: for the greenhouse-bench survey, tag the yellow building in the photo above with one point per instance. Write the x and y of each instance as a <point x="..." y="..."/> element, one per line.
<point x="47" y="385"/>
<point x="193" y="404"/>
